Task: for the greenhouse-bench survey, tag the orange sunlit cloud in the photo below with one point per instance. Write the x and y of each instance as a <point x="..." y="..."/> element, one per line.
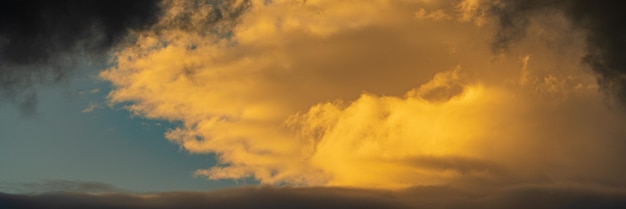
<point x="379" y="94"/>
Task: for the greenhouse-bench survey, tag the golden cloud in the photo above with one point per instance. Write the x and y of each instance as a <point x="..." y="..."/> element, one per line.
<point x="364" y="94"/>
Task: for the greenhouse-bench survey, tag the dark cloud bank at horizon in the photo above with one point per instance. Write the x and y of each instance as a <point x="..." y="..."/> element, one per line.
<point x="540" y="197"/>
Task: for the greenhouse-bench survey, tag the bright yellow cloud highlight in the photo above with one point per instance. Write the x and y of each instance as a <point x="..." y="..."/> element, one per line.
<point x="382" y="131"/>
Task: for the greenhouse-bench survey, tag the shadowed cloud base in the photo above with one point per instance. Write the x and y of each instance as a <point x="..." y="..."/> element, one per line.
<point x="540" y="197"/>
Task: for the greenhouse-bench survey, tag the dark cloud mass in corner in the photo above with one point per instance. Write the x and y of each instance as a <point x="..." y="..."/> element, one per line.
<point x="603" y="22"/>
<point x="40" y="40"/>
<point x="333" y="198"/>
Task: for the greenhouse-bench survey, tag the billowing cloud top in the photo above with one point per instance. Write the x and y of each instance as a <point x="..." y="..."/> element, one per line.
<point x="382" y="94"/>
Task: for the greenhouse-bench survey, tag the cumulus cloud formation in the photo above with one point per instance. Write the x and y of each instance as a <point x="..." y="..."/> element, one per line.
<point x="553" y="197"/>
<point x="42" y="41"/>
<point x="374" y="94"/>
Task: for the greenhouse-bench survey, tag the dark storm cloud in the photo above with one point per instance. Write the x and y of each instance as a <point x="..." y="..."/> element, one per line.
<point x="41" y="40"/>
<point x="603" y="22"/>
<point x="232" y="198"/>
<point x="330" y="198"/>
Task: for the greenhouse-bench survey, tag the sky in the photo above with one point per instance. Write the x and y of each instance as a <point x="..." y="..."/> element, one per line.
<point x="312" y="104"/>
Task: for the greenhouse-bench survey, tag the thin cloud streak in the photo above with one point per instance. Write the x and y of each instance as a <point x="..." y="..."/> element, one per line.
<point x="51" y="186"/>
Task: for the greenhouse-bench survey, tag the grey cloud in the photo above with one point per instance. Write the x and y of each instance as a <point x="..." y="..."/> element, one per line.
<point x="602" y="22"/>
<point x="41" y="42"/>
<point x="270" y="197"/>
<point x="59" y="186"/>
<point x="459" y="164"/>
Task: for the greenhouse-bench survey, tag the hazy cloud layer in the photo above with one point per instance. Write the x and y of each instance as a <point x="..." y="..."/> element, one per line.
<point x="58" y="186"/>
<point x="553" y="197"/>
<point x="375" y="94"/>
<point x="42" y="41"/>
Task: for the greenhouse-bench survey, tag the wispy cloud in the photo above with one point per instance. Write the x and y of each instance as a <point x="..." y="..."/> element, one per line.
<point x="90" y="108"/>
<point x="47" y="186"/>
<point x="93" y="91"/>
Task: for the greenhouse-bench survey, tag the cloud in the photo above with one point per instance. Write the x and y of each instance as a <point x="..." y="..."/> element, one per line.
<point x="600" y="21"/>
<point x="340" y="93"/>
<point x="90" y="108"/>
<point x="443" y="123"/>
<point x="268" y="197"/>
<point x="42" y="42"/>
<point x="47" y="186"/>
<point x="93" y="91"/>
